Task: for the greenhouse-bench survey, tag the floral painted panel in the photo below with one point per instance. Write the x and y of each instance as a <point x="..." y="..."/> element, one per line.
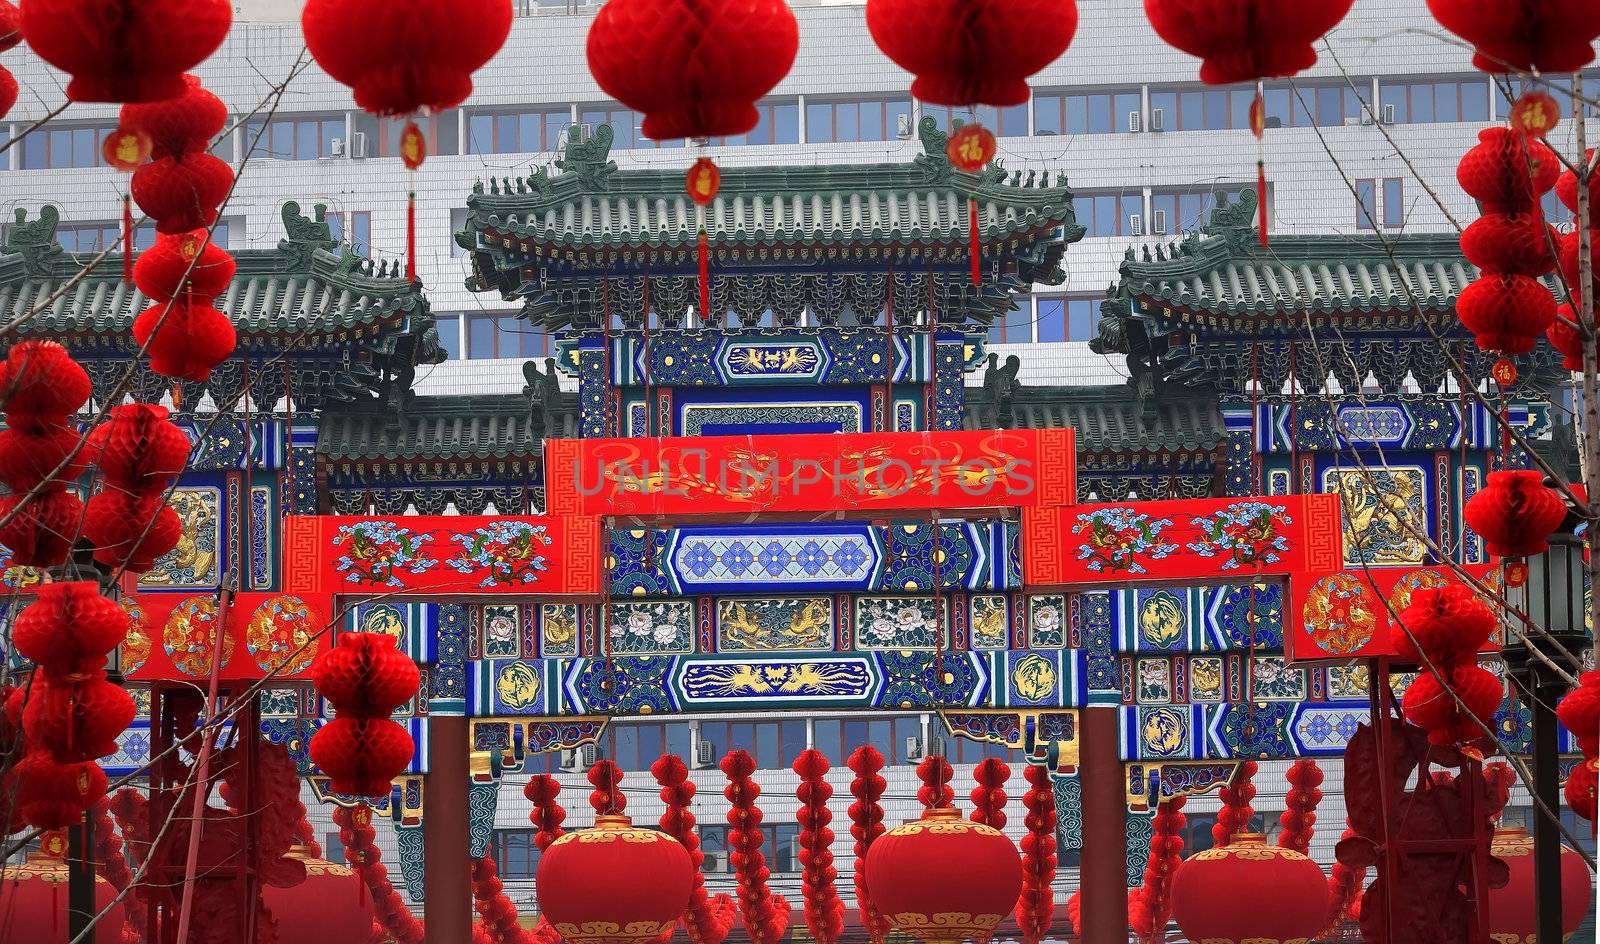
<point x="195" y="563"/>
<point x="1384" y="521"/>
<point x="502" y="630"/>
<point x="1205" y="678"/>
<point x="651" y="628"/>
<point x="502" y="553"/>
<point x="899" y="623"/>
<point x="1246" y="534"/>
<point x="1047" y="618"/>
<point x="1155" y="682"/>
<point x="1271" y="679"/>
<point x="558" y="629"/>
<point x="783" y="624"/>
<point x="991" y="627"/>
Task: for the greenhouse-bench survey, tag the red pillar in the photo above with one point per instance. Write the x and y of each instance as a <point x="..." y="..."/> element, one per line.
<point x="447" y="873"/>
<point x="1103" y="874"/>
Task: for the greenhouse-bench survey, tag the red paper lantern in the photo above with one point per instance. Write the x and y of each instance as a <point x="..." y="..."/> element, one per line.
<point x="1568" y="255"/>
<point x="51" y="795"/>
<point x="29" y="457"/>
<point x="186" y="340"/>
<point x="1506" y="313"/>
<point x="1582" y="786"/>
<point x="188" y="264"/>
<point x="1430" y="707"/>
<point x="125" y="50"/>
<point x="182" y="194"/>
<point x="1251" y="892"/>
<point x="1565" y="338"/>
<point x="181" y="125"/>
<point x="694" y="70"/>
<point x="1246" y="40"/>
<point x="130" y="531"/>
<point x="943" y="878"/>
<point x="1449" y="623"/>
<point x="1513" y="907"/>
<point x="401" y="64"/>
<point x="1567" y="191"/>
<point x="35" y="902"/>
<point x="10" y="25"/>
<point x="1517" y="36"/>
<point x="76" y="721"/>
<point x="69" y="629"/>
<point x="1515" y="513"/>
<point x="8" y="91"/>
<point x="972" y="52"/>
<point x="362" y="756"/>
<point x="39" y="379"/>
<point x="614" y="884"/>
<point x="327" y="906"/>
<point x="1579" y="712"/>
<point x="42" y="532"/>
<point x="139" y="448"/>
<point x="1511" y="243"/>
<point x="365" y="675"/>
<point x="1506" y="172"/>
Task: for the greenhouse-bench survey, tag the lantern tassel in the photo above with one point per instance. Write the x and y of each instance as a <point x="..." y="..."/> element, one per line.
<point x="1261" y="199"/>
<point x="972" y="229"/>
<point x="411" y="237"/>
<point x="705" y="273"/>
<point x="127" y="239"/>
<point x="1258" y="127"/>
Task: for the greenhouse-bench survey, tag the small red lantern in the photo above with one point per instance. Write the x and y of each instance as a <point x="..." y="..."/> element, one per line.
<point x="943" y="878"/>
<point x="76" y="721"/>
<point x="182" y="194"/>
<point x="413" y="146"/>
<point x="1535" y="115"/>
<point x="1448" y="622"/>
<point x="1513" y="907"/>
<point x="614" y="884"/>
<point x="1516" y="36"/>
<point x="1582" y="786"/>
<point x="131" y="531"/>
<point x="1246" y="40"/>
<point x="35" y="902"/>
<point x="1515" y="513"/>
<point x="365" y="674"/>
<point x="1249" y="893"/>
<point x="138" y="447"/>
<point x="41" y="533"/>
<point x="1579" y="712"/>
<point x="1511" y="243"/>
<point x="362" y="756"/>
<point x="181" y="125"/>
<point x="703" y="181"/>
<point x="127" y="149"/>
<point x="188" y="263"/>
<point x="971" y="148"/>
<point x="972" y="52"/>
<point x="69" y="629"/>
<point x="1506" y="313"/>
<point x="40" y="379"/>
<point x="186" y="340"/>
<point x="1506" y="172"/>
<point x="126" y="50"/>
<point x="1567" y="256"/>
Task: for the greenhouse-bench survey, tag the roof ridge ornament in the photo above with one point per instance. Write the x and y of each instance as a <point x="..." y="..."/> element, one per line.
<point x="934" y="159"/>
<point x="35" y="240"/>
<point x="1235" y="221"/>
<point x="588" y="159"/>
<point x="304" y="234"/>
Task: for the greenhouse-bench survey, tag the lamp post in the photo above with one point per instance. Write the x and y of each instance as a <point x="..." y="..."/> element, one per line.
<point x="1553" y="599"/>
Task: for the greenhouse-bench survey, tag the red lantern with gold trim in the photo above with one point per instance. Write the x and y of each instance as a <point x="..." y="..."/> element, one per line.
<point x="1250" y="892"/>
<point x="614" y="884"/>
<point x="943" y="878"/>
<point x="125" y="50"/>
<point x="1513" y="907"/>
<point x="34" y="897"/>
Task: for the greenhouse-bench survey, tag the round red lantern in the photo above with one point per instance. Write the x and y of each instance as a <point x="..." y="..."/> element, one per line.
<point x="1506" y="172"/>
<point x="138" y="448"/>
<point x="182" y="193"/>
<point x="10" y="25"/>
<point x="1448" y="622"/>
<point x="401" y="64"/>
<point x="1430" y="707"/>
<point x="614" y="884"/>
<point x="186" y="263"/>
<point x="42" y="529"/>
<point x="1579" y="712"/>
<point x="943" y="878"/>
<point x="1582" y="785"/>
<point x="76" y="721"/>
<point x="185" y="339"/>
<point x="50" y="795"/>
<point x="1512" y="243"/>
<point x="130" y="531"/>
<point x="34" y="897"/>
<point x="69" y="628"/>
<point x="1513" y="907"/>
<point x="1506" y="313"/>
<point x="1567" y="191"/>
<point x="694" y="70"/>
<point x="1246" y="40"/>
<point x="40" y="379"/>
<point x="1565" y="337"/>
<point x="1516" y="36"/>
<point x="181" y="125"/>
<point x="362" y="756"/>
<point x="1515" y="513"/>
<point x="29" y="457"/>
<point x="8" y="91"/>
<point x="1568" y="256"/>
<point x="329" y="905"/>
<point x="972" y="52"/>
<point x="125" y="50"/>
<point x="1251" y="892"/>
<point x="365" y="674"/>
<point x="971" y="148"/>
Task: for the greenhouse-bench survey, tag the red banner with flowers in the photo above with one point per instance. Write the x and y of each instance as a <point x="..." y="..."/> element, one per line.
<point x="810" y="472"/>
<point x="1207" y="540"/>
<point x="173" y="636"/>
<point x="1349" y="615"/>
<point x="441" y="555"/>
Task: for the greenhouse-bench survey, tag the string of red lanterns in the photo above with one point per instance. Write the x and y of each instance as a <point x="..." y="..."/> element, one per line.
<point x="866" y="827"/>
<point x="43" y="388"/>
<point x="707" y="920"/>
<point x="364" y="677"/>
<point x="140" y="453"/>
<point x="1037" y="903"/>
<point x="765" y="915"/>
<point x="824" y="912"/>
<point x="1299" y="817"/>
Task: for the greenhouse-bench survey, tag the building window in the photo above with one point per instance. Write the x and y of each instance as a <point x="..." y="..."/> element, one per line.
<point x="1185" y="211"/>
<point x="521" y="131"/>
<point x="1465" y="99"/>
<point x="1394" y="202"/>
<point x="1017" y="325"/>
<point x="637" y="746"/>
<point x="1087" y="112"/>
<point x="839" y="737"/>
<point x="333" y="849"/>
<point x="1109" y="214"/>
<point x="301" y="138"/>
<point x="353" y="227"/>
<point x="1558" y="86"/>
<point x="1305" y="105"/>
<point x="960" y="750"/>
<point x="505" y="336"/>
<point x="845" y="121"/>
<point x="1200" y="110"/>
<point x="627" y="126"/>
<point x="773" y="744"/>
<point x="442" y="131"/>
<point x="97" y="237"/>
<point x="1003" y="122"/>
<point x="449" y="328"/>
<point x="1366" y="204"/>
<point x="779" y="124"/>
<point x="516" y="857"/>
<point x="1069" y="318"/>
<point x="780" y="845"/>
<point x="65" y="146"/>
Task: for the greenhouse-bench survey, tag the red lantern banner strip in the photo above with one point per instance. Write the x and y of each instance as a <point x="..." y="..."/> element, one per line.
<point x="706" y="921"/>
<point x="866" y="825"/>
<point x="865" y="472"/>
<point x="442" y="555"/>
<point x="361" y="851"/>
<point x="172" y="637"/>
<point x="824" y="912"/>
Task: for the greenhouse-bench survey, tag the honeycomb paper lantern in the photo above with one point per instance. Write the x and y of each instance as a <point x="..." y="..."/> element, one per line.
<point x="1564" y="337"/>
<point x="10" y="25"/>
<point x="125" y="50"/>
<point x="1512" y="243"/>
<point x="70" y="628"/>
<point x="1506" y="313"/>
<point x="1581" y="789"/>
<point x="139" y="448"/>
<point x="52" y="795"/>
<point x="41" y="533"/>
<point x="1567" y="192"/>
<point x="184" y="263"/>
<point x="1507" y="173"/>
<point x="131" y="531"/>
<point x="39" y="379"/>
<point x="76" y="721"/>
<point x="1515" y="513"/>
<point x="182" y="194"/>
<point x="1246" y="40"/>
<point x="362" y="756"/>
<point x="181" y="125"/>
<point x="185" y="339"/>
<point x="30" y="457"/>
<point x="1579" y="712"/>
<point x="365" y="674"/>
<point x="1519" y="36"/>
<point x="9" y="90"/>
<point x="1449" y="623"/>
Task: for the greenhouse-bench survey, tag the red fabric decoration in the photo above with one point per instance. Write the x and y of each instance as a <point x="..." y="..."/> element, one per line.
<point x="1449" y="623"/>
<point x="125" y="50"/>
<point x="52" y="795"/>
<point x="41" y="533"/>
<point x="1517" y="36"/>
<point x="1428" y="706"/>
<point x="1515" y="513"/>
<point x="398" y="65"/>
<point x="139" y="448"/>
<point x="1246" y="40"/>
<point x="361" y="851"/>
<point x="943" y="878"/>
<point x="866" y="825"/>
<point x="1249" y="891"/>
<point x="1568" y="256"/>
<point x="765" y="915"/>
<point x="10" y="25"/>
<point x="39" y="379"/>
<point x="1564" y="337"/>
<point x="1037" y="903"/>
<point x="76" y="721"/>
<point x="9" y="90"/>
<point x="693" y="69"/>
<point x="1581" y="788"/>
<point x="706" y="921"/>
<point x="935" y="774"/>
<point x="1299" y="819"/>
<point x="1506" y="172"/>
<point x="972" y="52"/>
<point x="1513" y="907"/>
<point x="185" y="340"/>
<point x="131" y="531"/>
<point x="362" y="755"/>
<point x="178" y="126"/>
<point x="1579" y="712"/>
<point x="613" y="884"/>
<point x="28" y="458"/>
<point x="824" y="912"/>
<point x="182" y="194"/>
<point x="177" y="264"/>
<point x="1567" y="191"/>
<point x="69" y="628"/>
<point x="989" y="796"/>
<point x="1506" y="313"/>
<point x="365" y="674"/>
<point x="1511" y="243"/>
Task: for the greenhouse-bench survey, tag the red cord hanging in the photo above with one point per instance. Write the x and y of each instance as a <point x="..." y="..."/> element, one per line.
<point x="702" y="183"/>
<point x="970" y="149"/>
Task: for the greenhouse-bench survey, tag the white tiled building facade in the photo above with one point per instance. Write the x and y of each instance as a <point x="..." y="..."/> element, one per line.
<point x="1143" y="145"/>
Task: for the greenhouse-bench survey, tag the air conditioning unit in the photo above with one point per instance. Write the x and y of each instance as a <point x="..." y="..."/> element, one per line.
<point x="580" y="758"/>
<point x="1135" y="122"/>
<point x="902" y="127"/>
<point x="914" y="747"/>
<point x="1354" y="120"/>
<point x="1273" y="121"/>
<point x="705" y="755"/>
<point x="1366" y="116"/>
<point x="1388" y="114"/>
<point x="1158" y="222"/>
<point x="336" y="147"/>
<point x="1135" y="224"/>
<point x="1158" y="119"/>
<point x="358" y="146"/>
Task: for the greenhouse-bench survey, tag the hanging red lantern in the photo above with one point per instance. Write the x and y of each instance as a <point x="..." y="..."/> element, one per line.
<point x="125" y="50"/>
<point x="614" y="884"/>
<point x="131" y="531"/>
<point x="1449" y="623"/>
<point x="362" y="756"/>
<point x="40" y="379"/>
<point x="1579" y="712"/>
<point x="1517" y="36"/>
<point x="1567" y="192"/>
<point x="1506" y="313"/>
<point x="188" y="263"/>
<point x="186" y="340"/>
<point x="10" y="25"/>
<point x="76" y="721"/>
<point x="1581" y="789"/>
<point x="972" y="52"/>
<point x="1568" y="257"/>
<point x="30" y="457"/>
<point x="42" y="530"/>
<point x="35" y="901"/>
<point x="1250" y="892"/>
<point x="1513" y="907"/>
<point x="1246" y="40"/>
<point x="139" y="448"/>
<point x="182" y="194"/>
<point x="1506" y="172"/>
<point x="178" y="126"/>
<point x="50" y="795"/>
<point x="365" y="674"/>
<point x="9" y="91"/>
<point x="943" y="878"/>
<point x="69" y="628"/>
<point x="1535" y="115"/>
<point x="1511" y="243"/>
<point x="1565" y="337"/>
<point x="1515" y="513"/>
<point x="1428" y="705"/>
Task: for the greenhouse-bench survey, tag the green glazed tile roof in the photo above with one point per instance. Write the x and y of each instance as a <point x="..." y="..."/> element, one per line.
<point x="441" y="428"/>
<point x="1107" y="419"/>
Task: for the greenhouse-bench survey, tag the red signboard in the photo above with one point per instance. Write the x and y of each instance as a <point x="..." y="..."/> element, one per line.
<point x="812" y="472"/>
<point x="1206" y="540"/>
<point x="1349" y="615"/>
<point x="442" y="555"/>
<point x="173" y="636"/>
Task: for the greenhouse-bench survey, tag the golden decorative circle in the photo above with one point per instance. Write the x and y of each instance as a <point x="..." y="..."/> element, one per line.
<point x="1339" y="614"/>
<point x="1400" y="596"/>
<point x="281" y="635"/>
<point x="136" y="644"/>
<point x="190" y="636"/>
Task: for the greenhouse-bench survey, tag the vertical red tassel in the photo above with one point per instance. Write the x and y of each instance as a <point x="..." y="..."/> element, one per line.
<point x="411" y="236"/>
<point x="1261" y="199"/>
<point x="705" y="277"/>
<point x="127" y="239"/>
<point x="1258" y="127"/>
<point x="972" y="228"/>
